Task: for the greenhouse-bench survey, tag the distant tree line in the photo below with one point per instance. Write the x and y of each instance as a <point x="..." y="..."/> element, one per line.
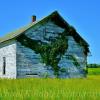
<point x="93" y="65"/>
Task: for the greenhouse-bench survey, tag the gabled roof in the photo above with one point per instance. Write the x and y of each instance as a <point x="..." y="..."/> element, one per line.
<point x="55" y="16"/>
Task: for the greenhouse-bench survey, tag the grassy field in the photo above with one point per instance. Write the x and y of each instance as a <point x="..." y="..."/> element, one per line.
<point x="94" y="71"/>
<point x="51" y="89"/>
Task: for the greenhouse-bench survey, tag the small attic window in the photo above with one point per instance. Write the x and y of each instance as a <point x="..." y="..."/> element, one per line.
<point x="4" y="65"/>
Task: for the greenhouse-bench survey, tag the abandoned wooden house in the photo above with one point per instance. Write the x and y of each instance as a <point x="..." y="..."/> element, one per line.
<point x="46" y="48"/>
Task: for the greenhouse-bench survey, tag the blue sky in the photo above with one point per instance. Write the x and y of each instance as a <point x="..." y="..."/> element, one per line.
<point x="84" y="15"/>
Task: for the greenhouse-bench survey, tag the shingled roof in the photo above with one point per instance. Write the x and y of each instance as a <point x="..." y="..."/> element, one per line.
<point x="55" y="16"/>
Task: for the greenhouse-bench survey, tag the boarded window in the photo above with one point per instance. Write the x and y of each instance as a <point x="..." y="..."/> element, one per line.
<point x="4" y="65"/>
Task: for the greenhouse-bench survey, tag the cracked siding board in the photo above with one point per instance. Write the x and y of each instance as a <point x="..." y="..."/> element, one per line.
<point x="8" y="50"/>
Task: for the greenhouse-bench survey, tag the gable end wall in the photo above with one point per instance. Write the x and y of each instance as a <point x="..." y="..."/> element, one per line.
<point x="29" y="64"/>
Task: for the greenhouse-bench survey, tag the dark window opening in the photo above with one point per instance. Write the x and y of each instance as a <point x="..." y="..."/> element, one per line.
<point x="4" y="65"/>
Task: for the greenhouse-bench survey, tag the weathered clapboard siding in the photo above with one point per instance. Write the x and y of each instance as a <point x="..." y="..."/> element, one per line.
<point x="30" y="64"/>
<point x="8" y="50"/>
<point x="78" y="51"/>
<point x="44" y="32"/>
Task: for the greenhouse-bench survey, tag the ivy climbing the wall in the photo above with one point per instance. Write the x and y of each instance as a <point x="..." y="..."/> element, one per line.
<point x="74" y="60"/>
<point x="51" y="53"/>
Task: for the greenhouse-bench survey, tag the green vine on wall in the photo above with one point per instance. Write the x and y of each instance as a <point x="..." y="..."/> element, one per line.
<point x="51" y="53"/>
<point x="75" y="62"/>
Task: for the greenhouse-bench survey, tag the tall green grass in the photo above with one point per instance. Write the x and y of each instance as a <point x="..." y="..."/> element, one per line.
<point x="94" y="71"/>
<point x="50" y="89"/>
